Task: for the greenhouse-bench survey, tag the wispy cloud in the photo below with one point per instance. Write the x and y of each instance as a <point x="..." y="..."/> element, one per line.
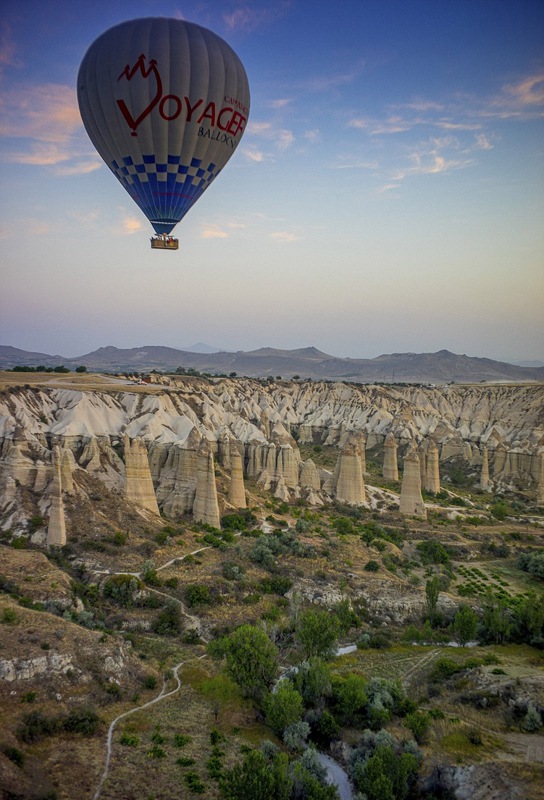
<point x="41" y="125"/>
<point x="8" y="49"/>
<point x="247" y="18"/>
<point x="130" y="224"/>
<point x="284" y="236"/>
<point x="45" y="113"/>
<point x="213" y="232"/>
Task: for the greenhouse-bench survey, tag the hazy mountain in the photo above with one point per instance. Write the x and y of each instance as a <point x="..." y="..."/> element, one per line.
<point x="307" y="362"/>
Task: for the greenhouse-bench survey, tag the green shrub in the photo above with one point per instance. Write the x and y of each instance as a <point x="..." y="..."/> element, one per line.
<point x="14" y="755"/>
<point x="182" y="739"/>
<point x="85" y="721"/>
<point x="197" y="595"/>
<point x="372" y="566"/>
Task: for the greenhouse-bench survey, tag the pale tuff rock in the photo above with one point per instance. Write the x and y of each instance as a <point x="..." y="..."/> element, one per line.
<point x="17" y="463"/>
<point x="67" y="467"/>
<point x="540" y="489"/>
<point x="423" y="465"/>
<point x="206" y="507"/>
<point x="43" y="473"/>
<point x="138" y="484"/>
<point x="281" y="492"/>
<point x="287" y="465"/>
<point x="485" y="483"/>
<point x="432" y="478"/>
<point x="90" y="458"/>
<point x="411" y="501"/>
<point x="265" y="424"/>
<point x="313" y="498"/>
<point x="390" y="464"/>
<point x="20" y="669"/>
<point x="237" y="495"/>
<point x="309" y="476"/>
<point x="177" y="486"/>
<point x="350" y="485"/>
<point x="264" y="480"/>
<point x="56" y="531"/>
<point x="500" y="459"/>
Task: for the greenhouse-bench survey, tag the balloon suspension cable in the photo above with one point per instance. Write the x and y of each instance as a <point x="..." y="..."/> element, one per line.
<point x="163" y="242"/>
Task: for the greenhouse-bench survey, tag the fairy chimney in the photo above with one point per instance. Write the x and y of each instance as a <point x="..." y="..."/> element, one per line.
<point x="432" y="475"/>
<point x="350" y="485"/>
<point x="411" y="501"/>
<point x="138" y="483"/>
<point x="484" y="477"/>
<point x="390" y="464"/>
<point x="56" y="530"/>
<point x="206" y="507"/>
<point x="237" y="494"/>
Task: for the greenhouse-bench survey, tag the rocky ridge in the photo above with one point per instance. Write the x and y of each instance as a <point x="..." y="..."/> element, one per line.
<point x="150" y="444"/>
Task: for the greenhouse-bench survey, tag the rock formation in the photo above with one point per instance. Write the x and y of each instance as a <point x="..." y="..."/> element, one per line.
<point x="432" y="473"/>
<point x="206" y="507"/>
<point x="138" y="484"/>
<point x="237" y="494"/>
<point x="540" y="488"/>
<point x="56" y="530"/>
<point x="390" y="464"/>
<point x="411" y="501"/>
<point x="485" y="483"/>
<point x="350" y="485"/>
<point x="67" y="466"/>
<point x="309" y="476"/>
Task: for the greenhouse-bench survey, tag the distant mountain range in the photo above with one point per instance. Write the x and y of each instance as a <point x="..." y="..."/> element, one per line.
<point x="308" y="362"/>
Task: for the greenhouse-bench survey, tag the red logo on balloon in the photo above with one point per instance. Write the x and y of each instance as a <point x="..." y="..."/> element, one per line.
<point x="129" y="73"/>
<point x="227" y="119"/>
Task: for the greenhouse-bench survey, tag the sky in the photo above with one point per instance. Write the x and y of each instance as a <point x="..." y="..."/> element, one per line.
<point x="387" y="195"/>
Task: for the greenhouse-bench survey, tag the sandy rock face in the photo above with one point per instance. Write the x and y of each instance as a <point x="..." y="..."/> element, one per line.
<point x="390" y="464"/>
<point x="350" y="485"/>
<point x="206" y="506"/>
<point x="56" y="531"/>
<point x="237" y="494"/>
<point x="411" y="501"/>
<point x="138" y="484"/>
<point x="432" y="476"/>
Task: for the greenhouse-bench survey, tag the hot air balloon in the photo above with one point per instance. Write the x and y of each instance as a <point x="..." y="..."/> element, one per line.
<point x="165" y="102"/>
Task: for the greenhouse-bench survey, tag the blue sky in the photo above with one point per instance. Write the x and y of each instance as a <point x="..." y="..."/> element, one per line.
<point x="387" y="196"/>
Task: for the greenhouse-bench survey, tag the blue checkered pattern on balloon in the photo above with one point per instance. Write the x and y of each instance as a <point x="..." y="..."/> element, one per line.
<point x="164" y="192"/>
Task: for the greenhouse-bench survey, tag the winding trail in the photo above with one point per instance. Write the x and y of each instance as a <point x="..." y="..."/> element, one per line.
<point x="161" y="696"/>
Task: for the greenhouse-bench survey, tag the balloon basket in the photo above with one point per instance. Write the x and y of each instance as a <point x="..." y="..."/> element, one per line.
<point x="164" y="243"/>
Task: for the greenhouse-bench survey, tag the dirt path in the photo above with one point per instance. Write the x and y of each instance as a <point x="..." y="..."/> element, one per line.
<point x="161" y="696"/>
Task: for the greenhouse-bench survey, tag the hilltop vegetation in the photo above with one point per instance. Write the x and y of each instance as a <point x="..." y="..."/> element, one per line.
<point x="276" y="589"/>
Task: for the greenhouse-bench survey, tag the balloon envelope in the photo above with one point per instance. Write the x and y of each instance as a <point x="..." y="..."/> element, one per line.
<point x="165" y="102"/>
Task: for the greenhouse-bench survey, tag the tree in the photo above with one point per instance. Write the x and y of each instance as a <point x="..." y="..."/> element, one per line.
<point x="257" y="779"/>
<point x="351" y="699"/>
<point x="432" y="591"/>
<point x="465" y="625"/>
<point x="316" y="632"/>
<point x="418" y="723"/>
<point x="496" y="619"/>
<point x="251" y="660"/>
<point x="283" y="707"/>
<point x="81" y="369"/>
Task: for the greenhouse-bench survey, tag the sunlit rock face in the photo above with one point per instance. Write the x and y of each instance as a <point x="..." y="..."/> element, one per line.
<point x="56" y="531"/>
<point x="264" y="422"/>
<point x="432" y="473"/>
<point x="206" y="506"/>
<point x="237" y="494"/>
<point x="390" y="463"/>
<point x="349" y="482"/>
<point x="485" y="483"/>
<point x="411" y="501"/>
<point x="138" y="484"/>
